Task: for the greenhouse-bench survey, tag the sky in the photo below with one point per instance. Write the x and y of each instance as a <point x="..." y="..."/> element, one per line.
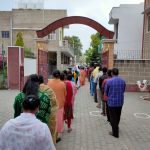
<point x="97" y="10"/>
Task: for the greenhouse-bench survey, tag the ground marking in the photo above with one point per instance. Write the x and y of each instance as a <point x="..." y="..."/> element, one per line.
<point x="95" y="113"/>
<point x="142" y="115"/>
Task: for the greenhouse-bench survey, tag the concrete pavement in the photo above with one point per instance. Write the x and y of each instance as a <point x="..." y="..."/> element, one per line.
<point x="90" y="129"/>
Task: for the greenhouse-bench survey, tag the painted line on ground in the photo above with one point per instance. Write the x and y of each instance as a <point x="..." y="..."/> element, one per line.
<point x="142" y="115"/>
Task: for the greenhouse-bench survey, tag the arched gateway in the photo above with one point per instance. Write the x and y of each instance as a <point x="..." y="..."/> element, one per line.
<point x="17" y="53"/>
<point x="75" y="20"/>
<point x="42" y="45"/>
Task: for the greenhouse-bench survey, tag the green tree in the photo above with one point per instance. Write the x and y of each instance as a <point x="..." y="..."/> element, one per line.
<point x="28" y="53"/>
<point x="92" y="54"/>
<point x="75" y="44"/>
<point x="19" y="40"/>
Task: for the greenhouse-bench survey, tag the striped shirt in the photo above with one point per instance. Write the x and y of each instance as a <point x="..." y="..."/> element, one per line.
<point x="114" y="89"/>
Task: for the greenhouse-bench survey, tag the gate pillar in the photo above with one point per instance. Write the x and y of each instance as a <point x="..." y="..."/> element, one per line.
<point x="108" y="53"/>
<point x="15" y="67"/>
<point x="42" y="59"/>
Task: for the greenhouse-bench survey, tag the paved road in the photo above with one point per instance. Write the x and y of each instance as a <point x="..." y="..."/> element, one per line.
<point x="90" y="130"/>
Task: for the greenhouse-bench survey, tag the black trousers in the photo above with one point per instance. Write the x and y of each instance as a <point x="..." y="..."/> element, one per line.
<point x="115" y="113"/>
<point x="95" y="92"/>
<point x="107" y="112"/>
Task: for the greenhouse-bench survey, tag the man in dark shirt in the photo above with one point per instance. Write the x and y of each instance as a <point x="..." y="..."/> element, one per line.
<point x="115" y="89"/>
<point x="101" y="79"/>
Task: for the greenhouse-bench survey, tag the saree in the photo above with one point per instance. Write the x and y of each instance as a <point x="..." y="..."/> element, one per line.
<point x="52" y="122"/>
<point x="44" y="111"/>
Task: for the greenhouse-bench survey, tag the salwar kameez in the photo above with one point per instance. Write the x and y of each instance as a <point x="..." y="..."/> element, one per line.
<point x="59" y="89"/>
<point x="68" y="107"/>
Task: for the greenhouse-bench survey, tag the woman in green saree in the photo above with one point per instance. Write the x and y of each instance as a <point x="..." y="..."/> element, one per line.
<point x="31" y="87"/>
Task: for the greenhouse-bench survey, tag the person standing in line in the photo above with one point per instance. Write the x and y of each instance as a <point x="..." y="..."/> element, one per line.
<point x="59" y="89"/>
<point x="77" y="76"/>
<point x="68" y="107"/>
<point x="82" y="76"/>
<point x="91" y="85"/>
<point x="52" y="123"/>
<point x="90" y="70"/>
<point x="74" y="76"/>
<point x="114" y="89"/>
<point x="99" y="74"/>
<point x="25" y="132"/>
<point x="95" y="72"/>
<point x="105" y="98"/>
<point x="101" y="79"/>
<point x="31" y="87"/>
<point x="74" y="88"/>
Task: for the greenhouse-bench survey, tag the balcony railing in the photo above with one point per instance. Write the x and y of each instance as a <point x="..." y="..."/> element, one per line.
<point x="67" y="46"/>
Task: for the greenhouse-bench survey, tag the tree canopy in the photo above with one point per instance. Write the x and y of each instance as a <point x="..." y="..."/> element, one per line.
<point x="75" y="44"/>
<point x="92" y="54"/>
<point x="19" y="39"/>
<point x="19" y="42"/>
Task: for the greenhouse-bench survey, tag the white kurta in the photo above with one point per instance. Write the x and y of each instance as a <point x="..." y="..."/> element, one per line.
<point x="25" y="133"/>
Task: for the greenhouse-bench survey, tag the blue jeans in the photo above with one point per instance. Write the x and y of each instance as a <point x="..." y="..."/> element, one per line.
<point x="92" y="87"/>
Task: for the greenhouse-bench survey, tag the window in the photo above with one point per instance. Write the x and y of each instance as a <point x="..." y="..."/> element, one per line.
<point x="5" y="34"/>
<point x="52" y="36"/>
<point x="148" y="23"/>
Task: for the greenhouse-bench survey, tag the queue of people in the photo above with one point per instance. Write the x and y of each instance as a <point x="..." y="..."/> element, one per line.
<point x="108" y="89"/>
<point x="40" y="111"/>
<point x="30" y="127"/>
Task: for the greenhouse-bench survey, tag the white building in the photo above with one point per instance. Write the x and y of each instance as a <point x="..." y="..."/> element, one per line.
<point x="128" y="27"/>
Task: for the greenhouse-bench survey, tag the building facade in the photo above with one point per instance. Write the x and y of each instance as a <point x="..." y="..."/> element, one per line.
<point x="128" y="27"/>
<point x="146" y="30"/>
<point x="27" y="21"/>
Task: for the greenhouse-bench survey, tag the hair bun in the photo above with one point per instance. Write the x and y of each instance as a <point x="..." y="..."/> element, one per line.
<point x="31" y="102"/>
<point x="30" y="98"/>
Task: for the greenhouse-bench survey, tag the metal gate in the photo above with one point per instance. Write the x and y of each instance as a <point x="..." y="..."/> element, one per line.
<point x="3" y="68"/>
<point x="43" y="64"/>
